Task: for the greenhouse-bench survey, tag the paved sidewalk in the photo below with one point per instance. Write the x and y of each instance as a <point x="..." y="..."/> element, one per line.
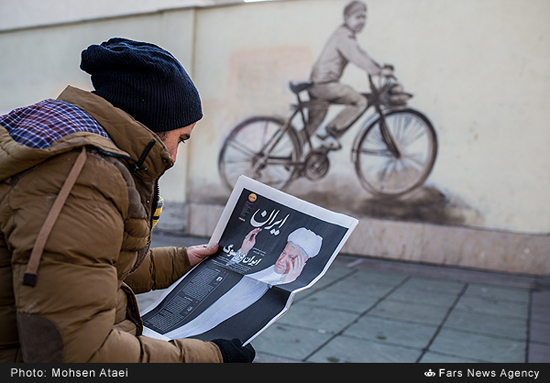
<point x="368" y="310"/>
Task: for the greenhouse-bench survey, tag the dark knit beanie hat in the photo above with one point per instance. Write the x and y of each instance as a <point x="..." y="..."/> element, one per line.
<point x="145" y="81"/>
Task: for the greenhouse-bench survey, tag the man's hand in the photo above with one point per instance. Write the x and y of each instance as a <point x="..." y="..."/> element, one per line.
<point x="233" y="351"/>
<point x="296" y="267"/>
<point x="387" y="71"/>
<point x="198" y="253"/>
<point x="249" y="241"/>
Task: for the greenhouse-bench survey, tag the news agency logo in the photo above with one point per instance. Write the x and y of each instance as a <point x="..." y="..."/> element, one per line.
<point x="484" y="374"/>
<point x="429" y="373"/>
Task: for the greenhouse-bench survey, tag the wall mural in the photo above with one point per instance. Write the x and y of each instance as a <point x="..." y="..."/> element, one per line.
<point x="393" y="152"/>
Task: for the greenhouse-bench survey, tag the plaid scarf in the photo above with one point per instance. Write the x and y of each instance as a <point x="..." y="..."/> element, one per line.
<point x="41" y="124"/>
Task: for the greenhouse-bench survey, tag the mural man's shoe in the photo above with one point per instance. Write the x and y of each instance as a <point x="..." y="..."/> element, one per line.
<point x="328" y="138"/>
<point x="329" y="142"/>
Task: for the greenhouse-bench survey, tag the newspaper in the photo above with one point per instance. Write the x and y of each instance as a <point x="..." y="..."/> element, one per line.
<point x="271" y="246"/>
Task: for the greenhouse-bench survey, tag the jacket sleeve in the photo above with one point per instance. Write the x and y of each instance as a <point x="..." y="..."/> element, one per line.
<point x="70" y="314"/>
<point x="161" y="267"/>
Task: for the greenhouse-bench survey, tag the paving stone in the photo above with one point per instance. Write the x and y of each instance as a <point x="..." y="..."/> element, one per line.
<point x="541" y="298"/>
<point x="538" y="353"/>
<point x="288" y="342"/>
<point x="430" y="298"/>
<point x="494" y="306"/>
<point x="433" y="285"/>
<point x="540" y="332"/>
<point x="341" y="301"/>
<point x="344" y="349"/>
<point x="321" y="319"/>
<point x="392" y="332"/>
<point x="375" y="290"/>
<point x="540" y="312"/>
<point x="497" y="293"/>
<point x="480" y="347"/>
<point x="410" y="312"/>
<point x="489" y="324"/>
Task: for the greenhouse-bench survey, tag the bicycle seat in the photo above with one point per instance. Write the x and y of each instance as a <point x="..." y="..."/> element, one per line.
<point x="300" y="87"/>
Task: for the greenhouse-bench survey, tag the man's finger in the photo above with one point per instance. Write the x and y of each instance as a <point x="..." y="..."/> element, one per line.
<point x="203" y="251"/>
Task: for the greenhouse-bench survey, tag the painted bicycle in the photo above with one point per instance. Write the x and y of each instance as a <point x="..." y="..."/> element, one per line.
<point x="394" y="151"/>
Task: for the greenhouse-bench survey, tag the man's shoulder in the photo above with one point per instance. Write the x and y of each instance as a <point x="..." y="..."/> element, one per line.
<point x="343" y="32"/>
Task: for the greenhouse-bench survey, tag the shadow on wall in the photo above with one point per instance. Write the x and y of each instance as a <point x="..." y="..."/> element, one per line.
<point x="426" y="204"/>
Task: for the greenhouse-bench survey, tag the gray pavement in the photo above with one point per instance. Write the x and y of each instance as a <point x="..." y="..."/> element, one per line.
<point x="366" y="310"/>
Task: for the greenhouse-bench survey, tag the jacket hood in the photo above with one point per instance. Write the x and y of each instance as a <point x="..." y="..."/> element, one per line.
<point x="129" y="140"/>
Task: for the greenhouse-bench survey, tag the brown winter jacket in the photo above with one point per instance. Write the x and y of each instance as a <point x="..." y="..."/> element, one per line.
<point x="83" y="307"/>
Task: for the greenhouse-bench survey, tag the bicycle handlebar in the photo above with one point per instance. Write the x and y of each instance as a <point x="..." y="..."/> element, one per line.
<point x="388" y="77"/>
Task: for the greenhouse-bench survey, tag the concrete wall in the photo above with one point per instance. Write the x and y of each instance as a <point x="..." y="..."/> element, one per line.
<point x="477" y="68"/>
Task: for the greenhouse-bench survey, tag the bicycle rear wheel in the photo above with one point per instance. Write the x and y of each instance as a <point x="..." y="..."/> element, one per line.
<point x="381" y="172"/>
<point x="262" y="148"/>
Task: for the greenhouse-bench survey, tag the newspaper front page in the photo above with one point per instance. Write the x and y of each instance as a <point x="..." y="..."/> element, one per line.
<point x="271" y="246"/>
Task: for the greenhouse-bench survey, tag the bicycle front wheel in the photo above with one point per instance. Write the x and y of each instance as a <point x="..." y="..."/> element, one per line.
<point x="262" y="148"/>
<point x="380" y="171"/>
